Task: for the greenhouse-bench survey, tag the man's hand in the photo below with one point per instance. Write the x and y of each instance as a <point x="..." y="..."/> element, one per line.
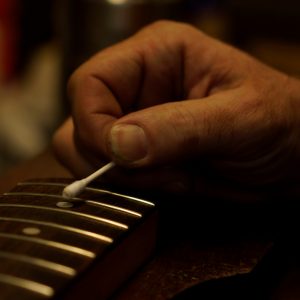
<point x="172" y="96"/>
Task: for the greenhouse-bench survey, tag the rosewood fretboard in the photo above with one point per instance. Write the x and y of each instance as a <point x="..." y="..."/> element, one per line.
<point x="84" y="248"/>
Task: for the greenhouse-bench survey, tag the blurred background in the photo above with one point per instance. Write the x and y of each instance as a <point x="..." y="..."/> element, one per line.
<point x="42" y="42"/>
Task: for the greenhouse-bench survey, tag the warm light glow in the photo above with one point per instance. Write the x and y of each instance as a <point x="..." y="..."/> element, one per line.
<point x="117" y="2"/>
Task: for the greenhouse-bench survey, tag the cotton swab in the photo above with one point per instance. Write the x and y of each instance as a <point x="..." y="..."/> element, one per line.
<point x="75" y="188"/>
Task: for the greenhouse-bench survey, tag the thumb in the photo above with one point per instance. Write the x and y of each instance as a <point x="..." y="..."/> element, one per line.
<point x="171" y="132"/>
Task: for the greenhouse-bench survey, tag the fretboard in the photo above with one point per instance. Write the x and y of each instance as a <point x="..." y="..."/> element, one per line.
<point x="83" y="248"/>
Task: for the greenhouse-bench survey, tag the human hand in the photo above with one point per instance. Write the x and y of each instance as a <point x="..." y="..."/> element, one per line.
<point x="172" y="96"/>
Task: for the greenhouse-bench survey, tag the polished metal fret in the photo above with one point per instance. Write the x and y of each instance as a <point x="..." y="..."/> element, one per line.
<point x="60" y="197"/>
<point x="62" y="227"/>
<point x="95" y="190"/>
<point x="26" y="284"/>
<point x="65" y="270"/>
<point x="57" y="245"/>
<point x="71" y="212"/>
<point x="125" y="210"/>
<point x="101" y="191"/>
<point x="76" y="200"/>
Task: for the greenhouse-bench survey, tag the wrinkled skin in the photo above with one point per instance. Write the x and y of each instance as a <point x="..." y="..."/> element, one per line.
<point x="211" y="119"/>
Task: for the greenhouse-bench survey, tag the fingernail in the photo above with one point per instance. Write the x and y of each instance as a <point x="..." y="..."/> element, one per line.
<point x="128" y="142"/>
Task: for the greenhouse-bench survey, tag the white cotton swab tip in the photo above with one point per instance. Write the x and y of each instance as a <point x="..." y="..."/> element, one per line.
<point x="76" y="187"/>
<point x="73" y="189"/>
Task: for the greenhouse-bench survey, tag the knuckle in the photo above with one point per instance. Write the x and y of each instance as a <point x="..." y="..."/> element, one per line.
<point x="172" y="27"/>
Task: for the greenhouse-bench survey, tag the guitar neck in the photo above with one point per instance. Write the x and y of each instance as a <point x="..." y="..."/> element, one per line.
<point x="85" y="247"/>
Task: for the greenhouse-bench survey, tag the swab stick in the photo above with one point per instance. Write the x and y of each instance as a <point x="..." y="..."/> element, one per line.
<point x="76" y="187"/>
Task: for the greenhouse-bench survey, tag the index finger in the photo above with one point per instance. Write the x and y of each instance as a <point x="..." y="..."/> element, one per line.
<point x="142" y="71"/>
<point x="99" y="94"/>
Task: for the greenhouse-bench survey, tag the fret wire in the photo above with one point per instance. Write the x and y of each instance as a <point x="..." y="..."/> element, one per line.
<point x="40" y="262"/>
<point x="88" y="216"/>
<point x="75" y="199"/>
<point x="60" y="197"/>
<point x="63" y="227"/>
<point x="128" y="211"/>
<point x="96" y="190"/>
<point x="26" y="284"/>
<point x="50" y="243"/>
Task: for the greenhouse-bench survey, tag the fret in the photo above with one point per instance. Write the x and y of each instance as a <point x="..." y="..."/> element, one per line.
<point x="91" y="189"/>
<point x="125" y="210"/>
<point x="49" y="265"/>
<point x="138" y="200"/>
<point x="57" y="197"/>
<point x="32" y="286"/>
<point x="62" y="211"/>
<point x="41" y="271"/>
<point x="45" y="252"/>
<point x="115" y="218"/>
<point x="68" y="220"/>
<point x="62" y="227"/>
<point x="54" y="234"/>
<point x="89" y="193"/>
<point x="75" y="201"/>
<point x="49" y="243"/>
